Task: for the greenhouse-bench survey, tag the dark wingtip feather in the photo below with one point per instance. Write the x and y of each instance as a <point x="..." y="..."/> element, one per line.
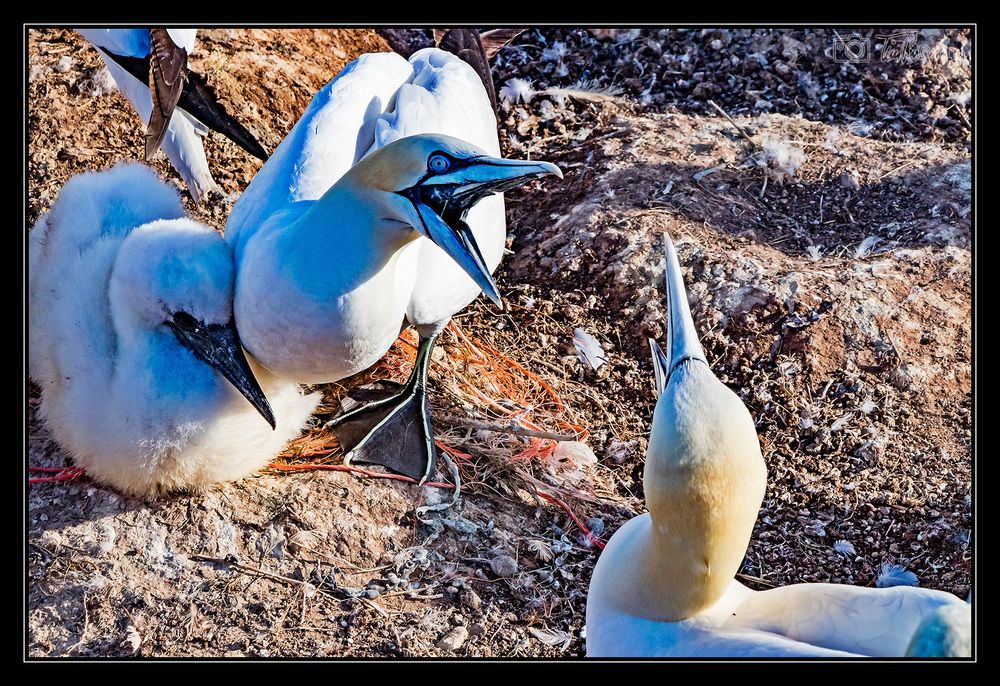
<point x="200" y="101"/>
<point x="467" y="44"/>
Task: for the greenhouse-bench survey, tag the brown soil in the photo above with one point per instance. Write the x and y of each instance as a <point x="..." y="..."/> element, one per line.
<point x="834" y="298"/>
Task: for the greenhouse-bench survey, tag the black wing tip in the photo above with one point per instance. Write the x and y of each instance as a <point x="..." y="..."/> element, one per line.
<point x="200" y="101"/>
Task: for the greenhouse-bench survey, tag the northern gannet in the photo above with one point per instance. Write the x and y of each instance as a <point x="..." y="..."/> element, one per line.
<point x="664" y="586"/>
<point x="361" y="223"/>
<point x="132" y="341"/>
<point x="150" y="68"/>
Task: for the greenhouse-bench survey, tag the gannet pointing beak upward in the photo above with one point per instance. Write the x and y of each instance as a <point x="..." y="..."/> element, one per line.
<point x="664" y="586"/>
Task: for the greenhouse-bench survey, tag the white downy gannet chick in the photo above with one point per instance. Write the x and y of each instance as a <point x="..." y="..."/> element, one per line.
<point x="150" y="68"/>
<point x="365" y="221"/>
<point x="132" y="341"/>
<point x="664" y="585"/>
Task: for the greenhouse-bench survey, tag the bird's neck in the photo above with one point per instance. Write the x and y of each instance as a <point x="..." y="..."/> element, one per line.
<point x="350" y="220"/>
<point x="704" y="481"/>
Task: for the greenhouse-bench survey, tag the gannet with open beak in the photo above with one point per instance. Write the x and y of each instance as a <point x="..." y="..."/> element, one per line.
<point x="366" y="220"/>
<point x="664" y="586"/>
<point x="132" y="341"/>
<point x="150" y="68"/>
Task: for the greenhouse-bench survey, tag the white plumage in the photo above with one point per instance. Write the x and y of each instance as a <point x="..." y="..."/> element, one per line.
<point x="377" y="210"/>
<point x="182" y="143"/>
<point x="664" y="584"/>
<point x="375" y="100"/>
<point x="110" y="267"/>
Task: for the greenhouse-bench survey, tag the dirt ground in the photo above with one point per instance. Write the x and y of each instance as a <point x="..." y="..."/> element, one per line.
<point x="824" y="227"/>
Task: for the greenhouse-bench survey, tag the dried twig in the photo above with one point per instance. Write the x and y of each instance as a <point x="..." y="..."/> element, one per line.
<point x="507" y="429"/>
<point x="86" y="625"/>
<point x="756" y="580"/>
<point x="733" y="122"/>
<point x="232" y="564"/>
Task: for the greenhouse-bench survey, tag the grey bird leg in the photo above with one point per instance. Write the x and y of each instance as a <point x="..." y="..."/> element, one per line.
<point x="394" y="432"/>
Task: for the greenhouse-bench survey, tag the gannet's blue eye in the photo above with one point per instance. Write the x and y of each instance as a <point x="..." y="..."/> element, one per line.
<point x="438" y="163"/>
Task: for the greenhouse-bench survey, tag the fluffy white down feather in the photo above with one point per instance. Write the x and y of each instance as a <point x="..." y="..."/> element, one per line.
<point x="133" y="406"/>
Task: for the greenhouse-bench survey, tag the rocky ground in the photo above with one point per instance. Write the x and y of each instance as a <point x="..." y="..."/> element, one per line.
<point x="822" y="215"/>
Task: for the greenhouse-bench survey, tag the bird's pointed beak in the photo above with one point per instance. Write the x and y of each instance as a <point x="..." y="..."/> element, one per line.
<point x="443" y="201"/>
<point x="218" y="345"/>
<point x="456" y="239"/>
<point x="481" y="176"/>
<point x="682" y="335"/>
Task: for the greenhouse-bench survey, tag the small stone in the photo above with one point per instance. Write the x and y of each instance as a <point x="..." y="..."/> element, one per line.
<point x="849" y="180"/>
<point x="472" y="600"/>
<point x="454" y="639"/>
<point x="503" y="566"/>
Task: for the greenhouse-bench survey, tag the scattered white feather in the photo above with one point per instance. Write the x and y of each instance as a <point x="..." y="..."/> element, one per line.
<point x="588" y="349"/>
<point x="961" y="98"/>
<point x="63" y="65"/>
<point x="895" y="575"/>
<point x="540" y="548"/>
<point x="865" y="247"/>
<point x="552" y="637"/>
<point x="783" y="156"/>
<point x="867" y="406"/>
<point x="99" y="83"/>
<point x="577" y="452"/>
<point x="132" y="639"/>
<point x="106" y="538"/>
<point x="585" y="90"/>
<point x="860" y="128"/>
<point x="814" y="252"/>
<point x="841" y="422"/>
<point x="555" y="53"/>
<point x="832" y="138"/>
<point x="517" y="90"/>
<point x="844" y="548"/>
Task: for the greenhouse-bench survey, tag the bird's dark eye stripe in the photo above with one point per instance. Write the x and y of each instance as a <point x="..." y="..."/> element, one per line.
<point x="454" y="164"/>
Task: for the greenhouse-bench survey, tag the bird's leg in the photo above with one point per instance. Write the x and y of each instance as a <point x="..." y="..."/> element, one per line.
<point x="394" y="432"/>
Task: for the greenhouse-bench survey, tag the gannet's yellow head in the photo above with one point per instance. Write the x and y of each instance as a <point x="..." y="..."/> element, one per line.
<point x="704" y="477"/>
<point x="437" y="179"/>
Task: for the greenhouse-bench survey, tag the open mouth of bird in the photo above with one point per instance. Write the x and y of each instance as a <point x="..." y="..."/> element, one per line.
<point x="450" y="203"/>
<point x="442" y="208"/>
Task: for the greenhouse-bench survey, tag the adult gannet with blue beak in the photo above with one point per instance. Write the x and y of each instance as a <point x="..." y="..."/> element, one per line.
<point x="365" y="221"/>
<point x="150" y="68"/>
<point x="664" y="586"/>
<point x="132" y="341"/>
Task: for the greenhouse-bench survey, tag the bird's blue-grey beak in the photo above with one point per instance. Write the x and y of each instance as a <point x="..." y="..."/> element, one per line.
<point x="443" y="200"/>
<point x="683" y="337"/>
